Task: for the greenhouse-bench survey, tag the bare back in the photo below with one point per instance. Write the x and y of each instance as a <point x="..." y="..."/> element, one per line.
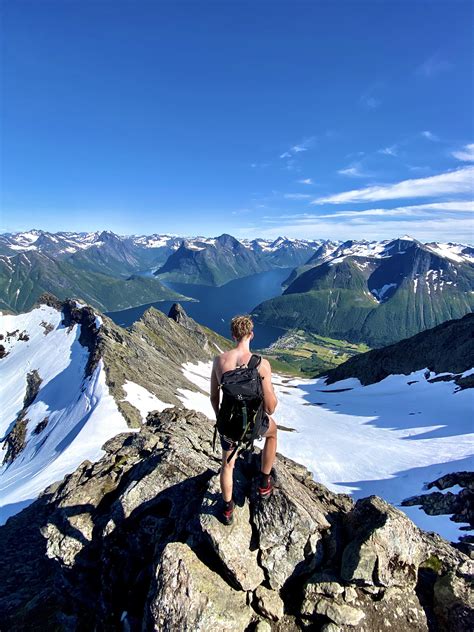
<point x="230" y="360"/>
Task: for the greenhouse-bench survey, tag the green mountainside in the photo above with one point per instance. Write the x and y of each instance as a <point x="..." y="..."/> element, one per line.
<point x="374" y="300"/>
<point x="24" y="277"/>
<point x="447" y="348"/>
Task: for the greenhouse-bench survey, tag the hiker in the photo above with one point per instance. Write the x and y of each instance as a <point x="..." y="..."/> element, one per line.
<point x="231" y="371"/>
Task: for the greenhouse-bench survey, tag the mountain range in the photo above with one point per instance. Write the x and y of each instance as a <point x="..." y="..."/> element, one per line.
<point x="375" y="292"/>
<point x="361" y="291"/>
<point x="114" y="272"/>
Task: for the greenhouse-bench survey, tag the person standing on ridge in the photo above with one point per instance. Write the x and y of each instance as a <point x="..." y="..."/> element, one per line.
<point x="243" y="413"/>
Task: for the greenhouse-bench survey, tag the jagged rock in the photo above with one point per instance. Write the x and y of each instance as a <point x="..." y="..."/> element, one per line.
<point x="269" y="603"/>
<point x="231" y="543"/>
<point x="385" y="548"/>
<point x="339" y="613"/>
<point x="263" y="626"/>
<point x="460" y="504"/>
<point x="131" y="543"/>
<point x="288" y="533"/>
<point x="454" y="601"/>
<point x="189" y="596"/>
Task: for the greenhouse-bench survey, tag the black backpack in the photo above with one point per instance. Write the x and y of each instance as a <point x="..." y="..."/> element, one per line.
<point x="241" y="411"/>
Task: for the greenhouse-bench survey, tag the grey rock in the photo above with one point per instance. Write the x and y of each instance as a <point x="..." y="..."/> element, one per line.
<point x="263" y="626"/>
<point x="269" y="603"/>
<point x="231" y="543"/>
<point x="454" y="601"/>
<point x="286" y="528"/>
<point x="190" y="597"/>
<point x="339" y="613"/>
<point x="385" y="547"/>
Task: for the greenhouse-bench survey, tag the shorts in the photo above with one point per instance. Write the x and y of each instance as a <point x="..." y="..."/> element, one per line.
<point x="228" y="444"/>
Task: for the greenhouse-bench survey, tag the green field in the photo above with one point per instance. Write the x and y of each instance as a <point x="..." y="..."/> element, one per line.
<point x="305" y="354"/>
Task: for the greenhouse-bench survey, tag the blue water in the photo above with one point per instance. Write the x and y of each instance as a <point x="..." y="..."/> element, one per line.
<point x="215" y="306"/>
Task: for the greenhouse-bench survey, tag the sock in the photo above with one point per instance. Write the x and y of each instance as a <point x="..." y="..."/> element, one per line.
<point x="264" y="479"/>
<point x="228" y="504"/>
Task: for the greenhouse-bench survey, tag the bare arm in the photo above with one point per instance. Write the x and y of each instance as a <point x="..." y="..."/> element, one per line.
<point x="269" y="398"/>
<point x="215" y="394"/>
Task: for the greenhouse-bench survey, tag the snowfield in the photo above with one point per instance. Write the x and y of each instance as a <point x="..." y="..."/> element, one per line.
<point x="388" y="438"/>
<point x="81" y="414"/>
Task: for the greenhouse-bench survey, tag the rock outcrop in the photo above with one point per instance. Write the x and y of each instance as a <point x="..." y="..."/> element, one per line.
<point x="134" y="542"/>
<point x="459" y="504"/>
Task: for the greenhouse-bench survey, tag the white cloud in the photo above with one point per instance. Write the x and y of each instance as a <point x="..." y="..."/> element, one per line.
<point x="306" y="144"/>
<point x="296" y="196"/>
<point x="431" y="210"/>
<point x="430" y="136"/>
<point x="306" y="181"/>
<point x="458" y="181"/>
<point x="433" y="66"/>
<point x="389" y="151"/>
<point x="442" y="229"/>
<point x="466" y="155"/>
<point x="355" y="171"/>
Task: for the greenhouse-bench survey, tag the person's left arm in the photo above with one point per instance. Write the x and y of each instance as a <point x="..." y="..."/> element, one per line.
<point x="215" y="394"/>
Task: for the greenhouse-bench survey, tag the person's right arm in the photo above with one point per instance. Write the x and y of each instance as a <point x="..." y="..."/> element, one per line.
<point x="269" y="398"/>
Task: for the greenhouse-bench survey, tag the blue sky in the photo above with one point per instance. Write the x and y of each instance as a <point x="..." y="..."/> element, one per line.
<point x="338" y="120"/>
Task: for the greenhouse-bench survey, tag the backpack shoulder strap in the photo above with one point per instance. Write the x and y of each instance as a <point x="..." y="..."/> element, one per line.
<point x="254" y="361"/>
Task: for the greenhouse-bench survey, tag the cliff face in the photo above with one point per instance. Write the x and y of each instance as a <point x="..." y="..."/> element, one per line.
<point x="134" y="542"/>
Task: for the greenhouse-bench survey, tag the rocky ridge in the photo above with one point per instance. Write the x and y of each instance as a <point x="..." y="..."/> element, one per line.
<point x="134" y="542"/>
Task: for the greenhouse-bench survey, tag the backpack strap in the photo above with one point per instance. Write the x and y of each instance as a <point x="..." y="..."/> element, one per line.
<point x="254" y="361"/>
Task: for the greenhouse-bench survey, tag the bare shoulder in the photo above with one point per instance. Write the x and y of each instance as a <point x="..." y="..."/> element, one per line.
<point x="265" y="368"/>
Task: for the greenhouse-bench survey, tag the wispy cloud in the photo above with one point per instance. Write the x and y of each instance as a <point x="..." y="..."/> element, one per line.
<point x="241" y="211"/>
<point x="434" y="229"/>
<point x="432" y="210"/>
<point x="259" y="165"/>
<point x="433" y="66"/>
<point x="370" y="100"/>
<point x="430" y="136"/>
<point x="305" y="145"/>
<point x="389" y="151"/>
<point x="458" y="181"/>
<point x="466" y="154"/>
<point x="306" y="181"/>
<point x="355" y="171"/>
<point x="296" y="196"/>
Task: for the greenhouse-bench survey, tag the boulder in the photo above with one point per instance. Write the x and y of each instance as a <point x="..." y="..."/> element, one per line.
<point x="189" y="596"/>
<point x="384" y="547"/>
<point x="268" y="603"/>
<point x="289" y="533"/>
<point x="233" y="543"/>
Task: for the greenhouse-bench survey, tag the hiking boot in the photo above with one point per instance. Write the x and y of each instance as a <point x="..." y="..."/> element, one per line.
<point x="228" y="512"/>
<point x="266" y="486"/>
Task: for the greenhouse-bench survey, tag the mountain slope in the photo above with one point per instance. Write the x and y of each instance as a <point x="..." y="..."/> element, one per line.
<point x="75" y="379"/>
<point x="25" y="276"/>
<point x="212" y="263"/>
<point x="447" y="348"/>
<point x="377" y="294"/>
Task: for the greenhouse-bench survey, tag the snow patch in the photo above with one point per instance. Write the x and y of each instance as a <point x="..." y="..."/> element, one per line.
<point x="142" y="399"/>
<point x="69" y="420"/>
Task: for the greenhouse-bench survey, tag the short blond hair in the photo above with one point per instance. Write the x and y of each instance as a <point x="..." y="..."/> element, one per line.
<point x="241" y="326"/>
